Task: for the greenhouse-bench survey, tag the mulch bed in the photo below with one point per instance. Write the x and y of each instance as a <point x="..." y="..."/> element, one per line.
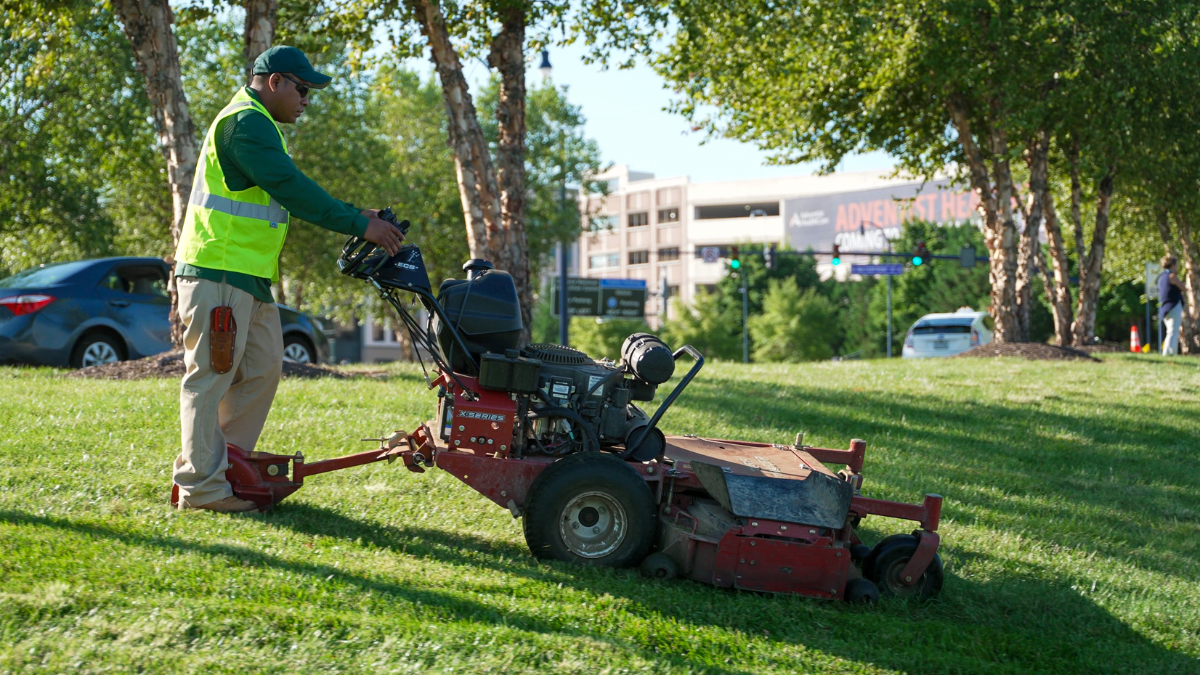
<point x="1034" y="351"/>
<point x="170" y="364"/>
<point x="1105" y="348"/>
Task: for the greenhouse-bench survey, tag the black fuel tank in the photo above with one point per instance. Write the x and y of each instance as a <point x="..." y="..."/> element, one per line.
<point x="485" y="311"/>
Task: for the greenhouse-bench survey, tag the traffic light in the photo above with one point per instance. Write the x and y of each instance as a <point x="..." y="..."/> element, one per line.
<point x="920" y="255"/>
<point x="769" y="257"/>
<point x="837" y="255"/>
<point x="735" y="261"/>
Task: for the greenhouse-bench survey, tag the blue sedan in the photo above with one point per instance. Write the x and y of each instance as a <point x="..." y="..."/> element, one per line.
<point x="91" y="312"/>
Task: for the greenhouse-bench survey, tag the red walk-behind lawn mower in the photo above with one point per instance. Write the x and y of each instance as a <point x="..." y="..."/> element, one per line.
<point x="555" y="437"/>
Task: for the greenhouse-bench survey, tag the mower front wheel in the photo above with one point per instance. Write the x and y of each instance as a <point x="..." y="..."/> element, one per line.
<point x="659" y="566"/>
<point x="590" y="508"/>
<point x="887" y="560"/>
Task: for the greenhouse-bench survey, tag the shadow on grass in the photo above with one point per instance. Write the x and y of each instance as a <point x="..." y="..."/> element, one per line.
<point x="1018" y="624"/>
<point x="457" y="608"/>
<point x="972" y="627"/>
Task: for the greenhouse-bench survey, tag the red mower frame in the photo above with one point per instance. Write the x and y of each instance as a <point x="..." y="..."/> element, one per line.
<point x="752" y="554"/>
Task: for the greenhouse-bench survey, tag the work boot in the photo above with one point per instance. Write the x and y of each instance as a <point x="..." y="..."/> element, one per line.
<point x="229" y="504"/>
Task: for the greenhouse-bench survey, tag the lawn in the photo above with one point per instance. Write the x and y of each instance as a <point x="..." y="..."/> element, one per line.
<point x="1071" y="535"/>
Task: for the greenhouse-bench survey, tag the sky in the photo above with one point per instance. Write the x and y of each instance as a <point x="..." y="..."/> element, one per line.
<point x="626" y="116"/>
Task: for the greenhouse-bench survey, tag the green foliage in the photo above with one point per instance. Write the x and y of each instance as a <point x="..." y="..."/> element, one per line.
<point x="707" y="325"/>
<point x="800" y="268"/>
<point x="794" y="326"/>
<point x="85" y="177"/>
<point x="602" y="338"/>
<point x="545" y="323"/>
<point x="74" y="112"/>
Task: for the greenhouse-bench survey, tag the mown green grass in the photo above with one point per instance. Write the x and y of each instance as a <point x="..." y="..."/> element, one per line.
<point x="1071" y="535"/>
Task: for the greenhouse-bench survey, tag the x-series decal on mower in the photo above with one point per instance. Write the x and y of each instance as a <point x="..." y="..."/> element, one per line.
<point x="556" y="438"/>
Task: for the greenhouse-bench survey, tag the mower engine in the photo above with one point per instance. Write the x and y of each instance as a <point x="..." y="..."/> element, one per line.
<point x="556" y="400"/>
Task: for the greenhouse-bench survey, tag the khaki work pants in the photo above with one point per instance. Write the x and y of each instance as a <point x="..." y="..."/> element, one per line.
<point x="216" y="409"/>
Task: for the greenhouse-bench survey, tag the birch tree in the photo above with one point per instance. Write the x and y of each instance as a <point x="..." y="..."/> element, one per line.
<point x="148" y="25"/>
<point x="491" y="187"/>
<point x="259" y="30"/>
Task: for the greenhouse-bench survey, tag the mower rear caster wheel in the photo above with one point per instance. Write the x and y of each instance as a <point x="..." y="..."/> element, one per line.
<point x="861" y="591"/>
<point x="887" y="561"/>
<point x="660" y="566"/>
<point x="590" y="508"/>
<point x="859" y="553"/>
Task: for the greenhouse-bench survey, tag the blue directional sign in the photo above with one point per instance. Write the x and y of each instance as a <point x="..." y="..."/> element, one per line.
<point x="886" y="269"/>
<point x="613" y="298"/>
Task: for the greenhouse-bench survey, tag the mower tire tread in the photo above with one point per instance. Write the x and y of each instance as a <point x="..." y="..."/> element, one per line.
<point x="889" y="557"/>
<point x="582" y="473"/>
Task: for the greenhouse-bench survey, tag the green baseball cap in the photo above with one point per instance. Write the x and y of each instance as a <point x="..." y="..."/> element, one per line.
<point x="285" y="59"/>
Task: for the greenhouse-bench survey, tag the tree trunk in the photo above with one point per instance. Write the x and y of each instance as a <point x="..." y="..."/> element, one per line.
<point x="147" y="24"/>
<point x="510" y="248"/>
<point x="1191" y="265"/>
<point x="1030" y="251"/>
<point x="1090" y="267"/>
<point x="472" y="163"/>
<point x="1003" y="247"/>
<point x="1076" y="200"/>
<point x="259" y="31"/>
<point x="1060" y="290"/>
<point x="999" y="230"/>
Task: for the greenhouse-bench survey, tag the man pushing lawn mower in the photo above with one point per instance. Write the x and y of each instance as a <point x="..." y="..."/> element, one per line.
<point x="545" y="431"/>
<point x="245" y="190"/>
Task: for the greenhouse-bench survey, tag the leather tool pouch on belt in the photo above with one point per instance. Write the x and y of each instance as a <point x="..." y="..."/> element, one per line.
<point x="222" y="334"/>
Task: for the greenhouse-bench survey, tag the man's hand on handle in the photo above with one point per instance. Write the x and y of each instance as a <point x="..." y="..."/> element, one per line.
<point x="382" y="232"/>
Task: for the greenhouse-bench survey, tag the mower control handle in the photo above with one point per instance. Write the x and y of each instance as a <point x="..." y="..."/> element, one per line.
<point x="356" y="249"/>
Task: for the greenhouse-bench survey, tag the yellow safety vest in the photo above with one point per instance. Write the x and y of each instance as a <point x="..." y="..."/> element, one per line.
<point x="240" y="231"/>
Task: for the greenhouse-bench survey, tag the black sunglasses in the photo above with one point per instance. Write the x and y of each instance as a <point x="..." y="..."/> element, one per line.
<point x="301" y="88"/>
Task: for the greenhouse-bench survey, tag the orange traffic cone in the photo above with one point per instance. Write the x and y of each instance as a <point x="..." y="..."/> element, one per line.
<point x="1135" y="343"/>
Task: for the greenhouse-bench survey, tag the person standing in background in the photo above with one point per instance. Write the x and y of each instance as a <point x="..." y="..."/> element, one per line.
<point x="1170" y="308"/>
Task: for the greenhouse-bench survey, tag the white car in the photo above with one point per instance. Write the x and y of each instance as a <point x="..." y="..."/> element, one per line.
<point x="947" y="334"/>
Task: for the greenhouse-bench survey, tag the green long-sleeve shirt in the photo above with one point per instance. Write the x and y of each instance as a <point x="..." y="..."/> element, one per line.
<point x="250" y="154"/>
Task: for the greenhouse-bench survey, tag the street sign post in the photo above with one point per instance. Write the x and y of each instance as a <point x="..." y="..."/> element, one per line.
<point x="608" y="298"/>
<point x="888" y="270"/>
<point x="1153" y="270"/>
<point x="885" y="269"/>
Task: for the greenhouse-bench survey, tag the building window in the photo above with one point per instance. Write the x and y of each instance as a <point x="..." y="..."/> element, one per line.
<point x="672" y="290"/>
<point x="665" y="254"/>
<point x="639" y="219"/>
<point x="604" y="261"/>
<point x="379" y="333"/>
<point x="668" y="215"/>
<point x="602" y="224"/>
<point x="737" y="210"/>
<point x="639" y="257"/>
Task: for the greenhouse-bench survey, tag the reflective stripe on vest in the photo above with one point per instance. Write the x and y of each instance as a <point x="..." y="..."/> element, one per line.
<point x="235" y="231"/>
<point x="272" y="213"/>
